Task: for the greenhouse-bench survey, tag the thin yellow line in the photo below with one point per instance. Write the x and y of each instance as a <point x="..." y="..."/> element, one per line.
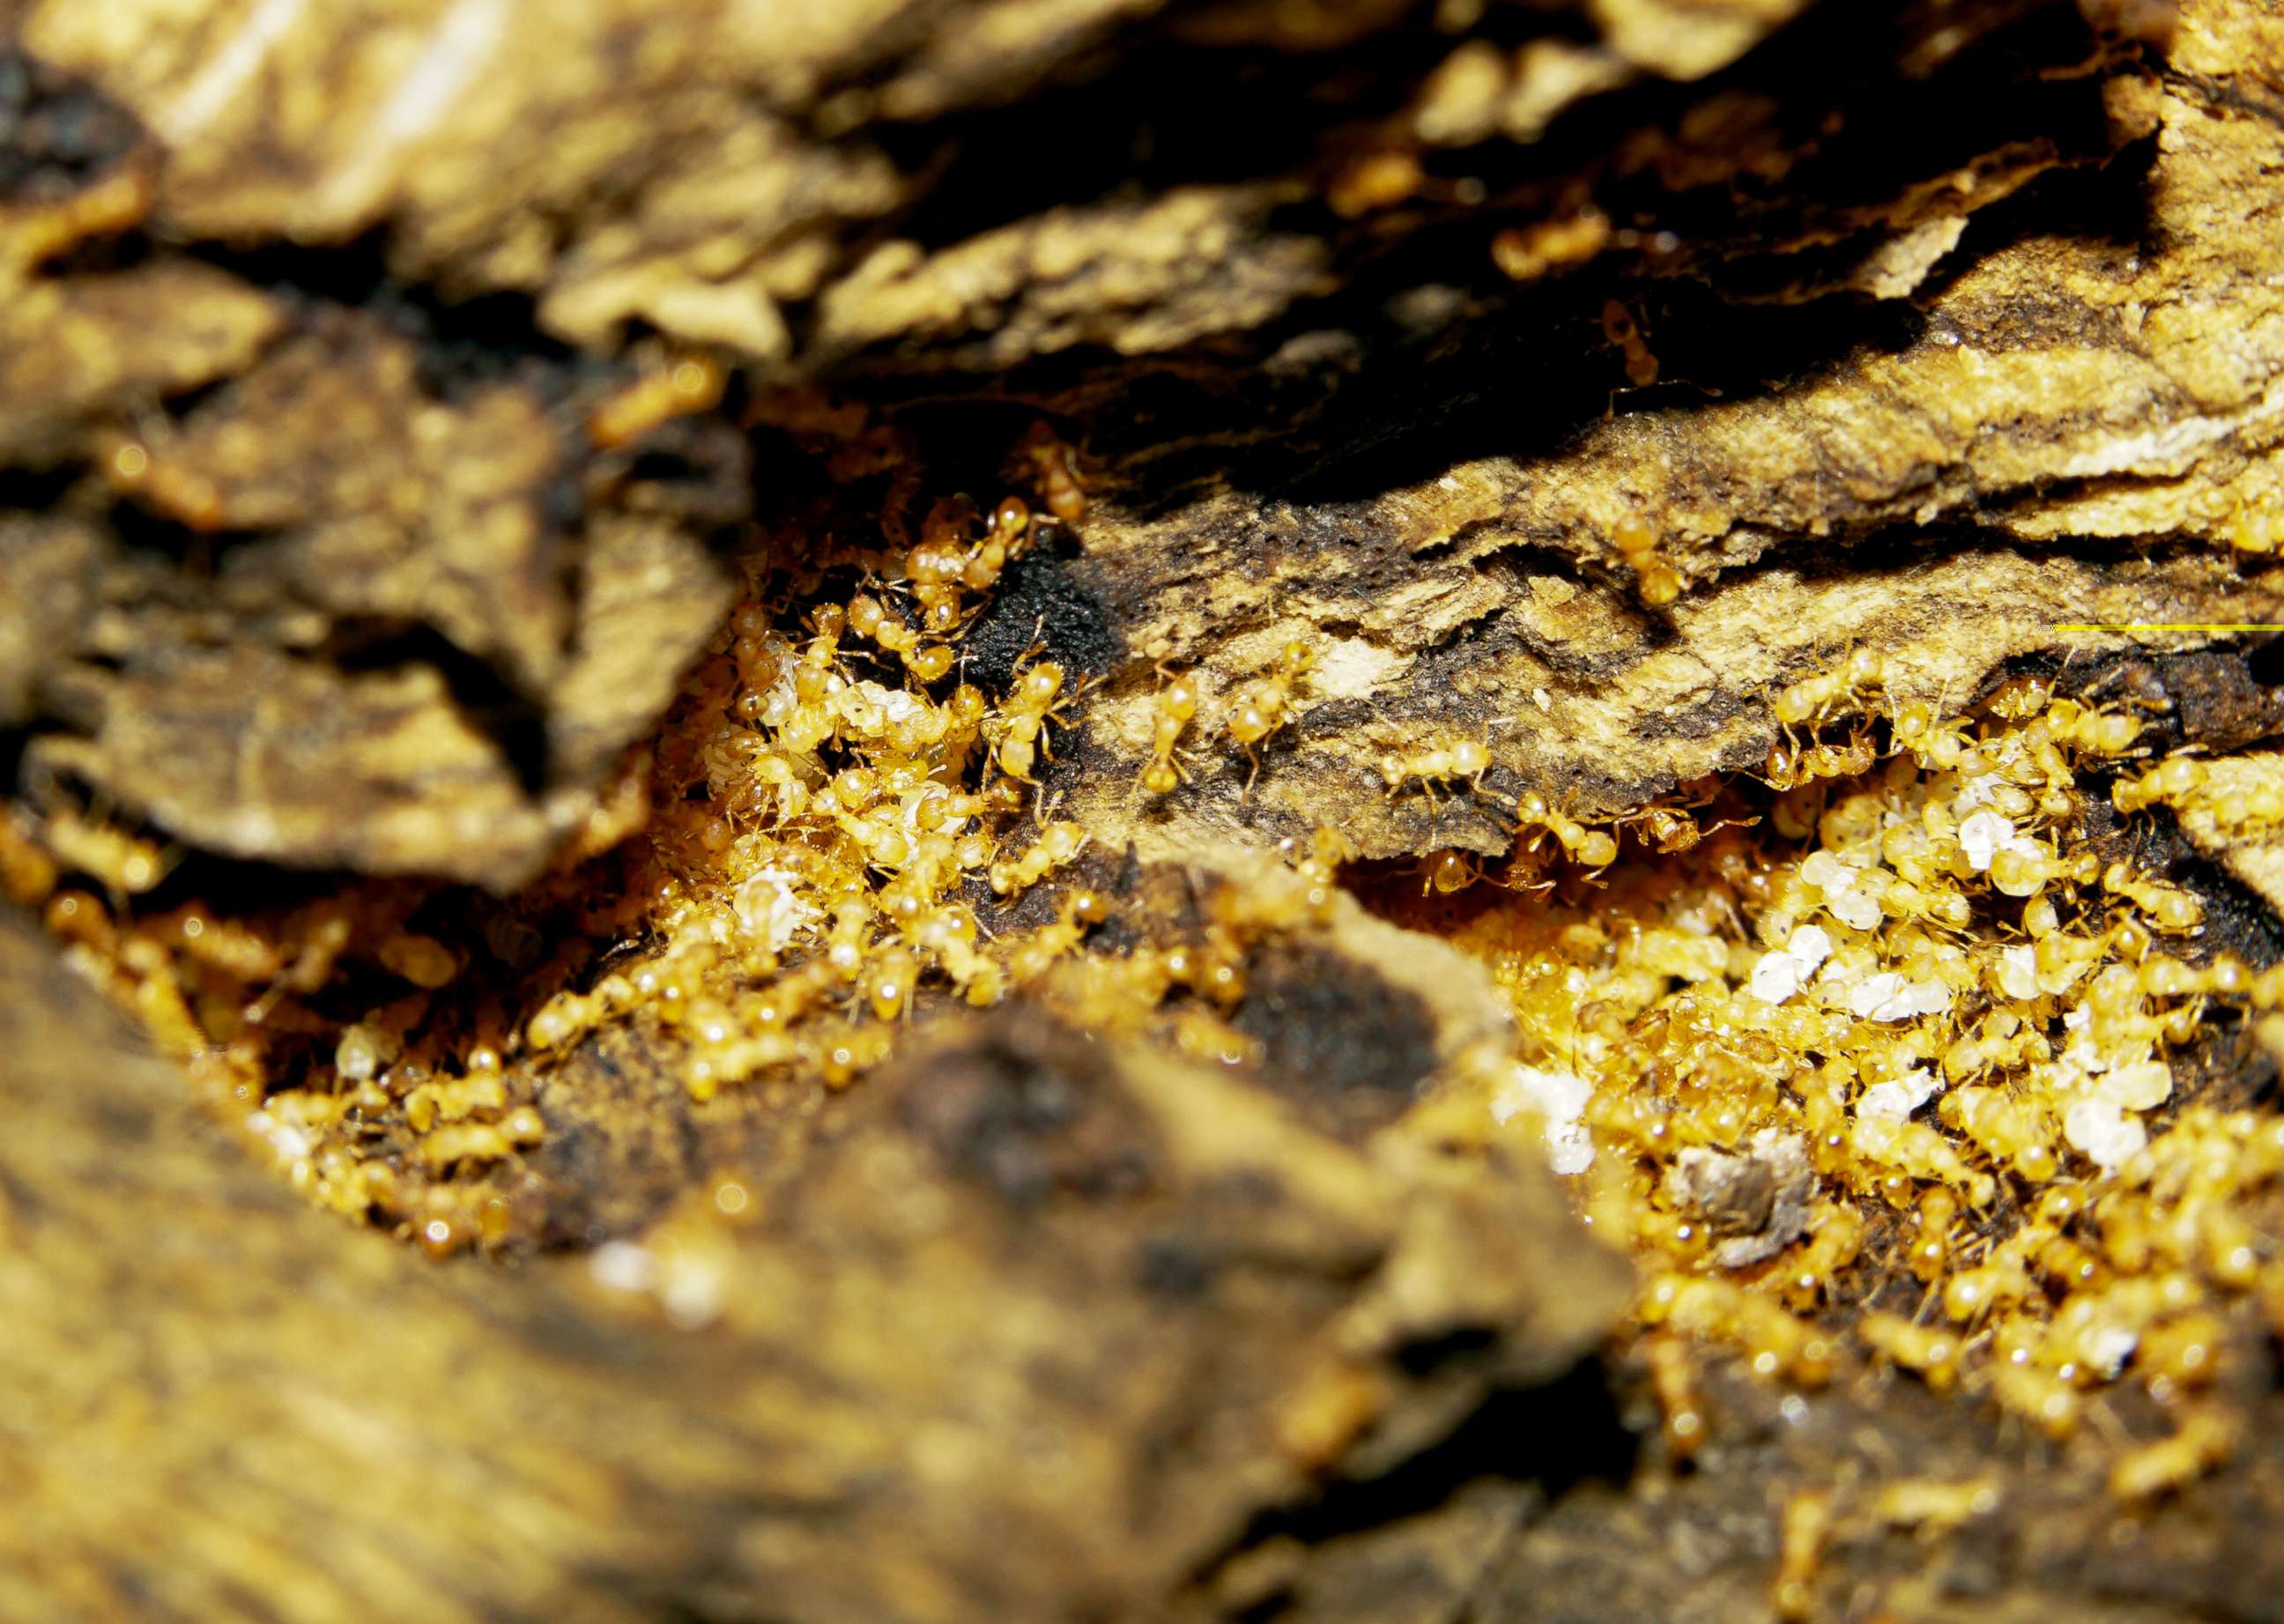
<point x="2171" y="626"/>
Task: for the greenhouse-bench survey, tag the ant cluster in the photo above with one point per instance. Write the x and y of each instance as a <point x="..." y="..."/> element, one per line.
<point x="1544" y="835"/>
<point x="828" y="807"/>
<point x="1881" y="1065"/>
<point x="1895" y="1073"/>
<point x="2242" y="797"/>
<point x="816" y="847"/>
<point x="1257" y="710"/>
<point x="368" y="1113"/>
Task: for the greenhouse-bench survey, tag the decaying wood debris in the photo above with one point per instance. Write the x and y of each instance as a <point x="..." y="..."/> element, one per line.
<point x="1503" y="401"/>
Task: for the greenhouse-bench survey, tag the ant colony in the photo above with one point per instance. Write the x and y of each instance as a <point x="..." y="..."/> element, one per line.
<point x="1868" y="1055"/>
<point x="1884" y="1075"/>
<point x="837" y="828"/>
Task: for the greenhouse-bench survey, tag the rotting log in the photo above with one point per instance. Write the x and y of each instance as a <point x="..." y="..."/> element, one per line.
<point x="320" y="551"/>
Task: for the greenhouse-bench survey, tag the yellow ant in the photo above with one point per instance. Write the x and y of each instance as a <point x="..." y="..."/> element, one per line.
<point x="1657" y="582"/>
<point x="1056" y="464"/>
<point x="1792" y="768"/>
<point x="688" y="387"/>
<point x="1591" y="848"/>
<point x="1263" y="706"/>
<point x="1624" y="334"/>
<point x="126" y="864"/>
<point x="1176" y="703"/>
<point x="1467" y="760"/>
<point x="1817" y="699"/>
<point x="1448" y="871"/>
<point x="1037" y="700"/>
